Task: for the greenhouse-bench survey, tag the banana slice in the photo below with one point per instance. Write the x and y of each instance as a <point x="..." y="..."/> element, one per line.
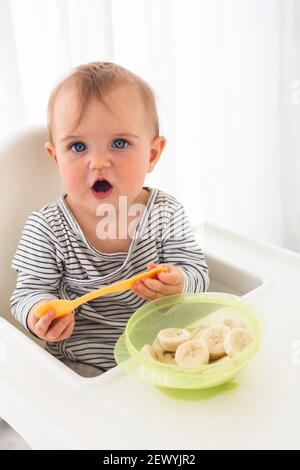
<point x="196" y="332"/>
<point x="236" y="340"/>
<point x="233" y="323"/>
<point x="149" y="352"/>
<point x="167" y="358"/>
<point x="161" y="354"/>
<point x="157" y="346"/>
<point x="220" y="360"/>
<point x="192" y="353"/>
<point x="214" y="338"/>
<point x="171" y="338"/>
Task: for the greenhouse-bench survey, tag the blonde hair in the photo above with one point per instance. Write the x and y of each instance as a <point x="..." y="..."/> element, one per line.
<point x="95" y="80"/>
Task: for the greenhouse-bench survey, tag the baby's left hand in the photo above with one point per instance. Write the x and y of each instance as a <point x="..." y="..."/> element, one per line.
<point x="168" y="283"/>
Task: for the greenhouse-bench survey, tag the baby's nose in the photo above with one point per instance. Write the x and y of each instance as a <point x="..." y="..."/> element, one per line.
<point x="99" y="161"/>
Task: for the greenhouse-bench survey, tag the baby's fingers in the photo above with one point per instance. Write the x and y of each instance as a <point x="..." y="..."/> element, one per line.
<point x="142" y="290"/>
<point x="66" y="320"/>
<point x="171" y="277"/>
<point x="59" y="326"/>
<point x="67" y="332"/>
<point x="158" y="286"/>
<point x="43" y="324"/>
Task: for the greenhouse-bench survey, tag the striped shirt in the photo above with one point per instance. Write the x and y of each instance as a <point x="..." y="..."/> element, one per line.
<point x="55" y="260"/>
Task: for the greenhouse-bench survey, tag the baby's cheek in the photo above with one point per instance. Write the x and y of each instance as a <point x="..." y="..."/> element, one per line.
<point x="73" y="177"/>
<point x="132" y="171"/>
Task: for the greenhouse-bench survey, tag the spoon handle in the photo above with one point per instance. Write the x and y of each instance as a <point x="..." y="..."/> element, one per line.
<point x="118" y="286"/>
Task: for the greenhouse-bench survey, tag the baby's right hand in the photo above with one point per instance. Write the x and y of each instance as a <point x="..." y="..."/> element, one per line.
<point x="48" y="328"/>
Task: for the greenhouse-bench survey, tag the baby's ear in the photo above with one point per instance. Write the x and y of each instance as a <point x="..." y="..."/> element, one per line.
<point x="50" y="149"/>
<point x="157" y="146"/>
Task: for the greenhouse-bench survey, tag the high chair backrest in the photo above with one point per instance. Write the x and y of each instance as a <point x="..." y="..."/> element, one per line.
<point x="28" y="180"/>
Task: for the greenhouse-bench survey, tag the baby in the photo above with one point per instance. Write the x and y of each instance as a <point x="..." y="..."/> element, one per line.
<point x="104" y="139"/>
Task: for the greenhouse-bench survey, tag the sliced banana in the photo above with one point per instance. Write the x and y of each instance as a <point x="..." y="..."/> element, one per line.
<point x="161" y="354"/>
<point x="214" y="338"/>
<point x="200" y="345"/>
<point x="196" y="332"/>
<point x="233" y="323"/>
<point x="221" y="359"/>
<point x="149" y="352"/>
<point x="192" y="353"/>
<point x="237" y="340"/>
<point x="171" y="338"/>
<point x="157" y="346"/>
<point x="166" y="358"/>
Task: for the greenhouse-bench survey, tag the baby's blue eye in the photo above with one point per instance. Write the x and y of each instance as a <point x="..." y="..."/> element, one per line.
<point x="119" y="143"/>
<point x="78" y="146"/>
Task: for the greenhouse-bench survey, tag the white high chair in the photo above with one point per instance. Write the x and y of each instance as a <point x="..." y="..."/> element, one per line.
<point x="51" y="406"/>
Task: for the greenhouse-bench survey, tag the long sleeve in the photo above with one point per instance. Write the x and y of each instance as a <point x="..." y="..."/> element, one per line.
<point x="180" y="248"/>
<point x="38" y="264"/>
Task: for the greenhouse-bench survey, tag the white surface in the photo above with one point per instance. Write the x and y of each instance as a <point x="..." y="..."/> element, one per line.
<point x="52" y="407"/>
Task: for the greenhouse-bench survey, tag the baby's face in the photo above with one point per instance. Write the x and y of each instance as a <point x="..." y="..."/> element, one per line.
<point x="111" y="144"/>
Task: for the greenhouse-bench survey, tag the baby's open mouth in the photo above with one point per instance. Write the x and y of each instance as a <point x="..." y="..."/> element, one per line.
<point x="101" y="186"/>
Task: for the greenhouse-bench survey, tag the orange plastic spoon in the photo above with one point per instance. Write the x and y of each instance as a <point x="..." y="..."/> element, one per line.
<point x="65" y="307"/>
